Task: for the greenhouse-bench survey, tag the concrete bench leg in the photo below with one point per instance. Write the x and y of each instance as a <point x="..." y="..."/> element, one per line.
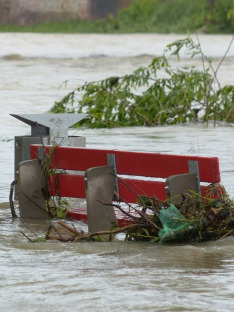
<point x="177" y="185"/>
<point x="30" y="183"/>
<point x="100" y="185"/>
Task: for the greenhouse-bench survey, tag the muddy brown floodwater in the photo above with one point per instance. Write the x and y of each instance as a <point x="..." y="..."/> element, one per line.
<point x="106" y="276"/>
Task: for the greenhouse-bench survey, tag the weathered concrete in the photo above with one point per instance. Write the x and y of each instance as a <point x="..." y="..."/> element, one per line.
<point x="31" y="183"/>
<point x="100" y="187"/>
<point x="29" y="12"/>
<point x="179" y="187"/>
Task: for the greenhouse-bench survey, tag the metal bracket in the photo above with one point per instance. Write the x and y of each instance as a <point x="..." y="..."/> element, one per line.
<point x="112" y="162"/>
<point x="194" y="168"/>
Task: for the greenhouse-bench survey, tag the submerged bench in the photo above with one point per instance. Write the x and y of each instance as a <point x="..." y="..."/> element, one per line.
<point x="141" y="173"/>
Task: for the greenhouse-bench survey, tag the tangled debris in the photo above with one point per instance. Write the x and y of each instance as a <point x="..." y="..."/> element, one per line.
<point x="201" y="219"/>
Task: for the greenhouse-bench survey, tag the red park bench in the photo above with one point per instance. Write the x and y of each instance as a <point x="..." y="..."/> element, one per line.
<point x="141" y="173"/>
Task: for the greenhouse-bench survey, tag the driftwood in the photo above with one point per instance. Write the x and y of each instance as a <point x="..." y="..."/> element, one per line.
<point x="71" y="234"/>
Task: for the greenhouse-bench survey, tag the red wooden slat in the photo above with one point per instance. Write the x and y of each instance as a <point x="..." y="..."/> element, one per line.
<point x="69" y="185"/>
<point x="134" y="163"/>
<point x="141" y="187"/>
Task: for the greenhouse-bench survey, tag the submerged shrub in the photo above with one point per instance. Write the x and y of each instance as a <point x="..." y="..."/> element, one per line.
<point x="154" y="95"/>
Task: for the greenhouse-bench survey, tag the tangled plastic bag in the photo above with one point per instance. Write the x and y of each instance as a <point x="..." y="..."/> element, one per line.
<point x="175" y="225"/>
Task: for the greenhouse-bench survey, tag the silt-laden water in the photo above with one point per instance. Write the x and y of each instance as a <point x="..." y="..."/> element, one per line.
<point x="118" y="276"/>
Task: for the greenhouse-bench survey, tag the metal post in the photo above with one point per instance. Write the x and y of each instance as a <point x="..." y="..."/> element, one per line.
<point x="112" y="162"/>
<point x="194" y="168"/>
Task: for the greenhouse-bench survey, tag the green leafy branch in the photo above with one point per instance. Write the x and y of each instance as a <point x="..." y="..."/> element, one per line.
<point x="154" y="95"/>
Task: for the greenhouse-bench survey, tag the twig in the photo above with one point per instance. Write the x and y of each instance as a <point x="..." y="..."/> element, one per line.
<point x="56" y="230"/>
<point x="29" y="239"/>
<point x="119" y="230"/>
<point x="130" y="188"/>
<point x="225" y="54"/>
<point x="143" y="215"/>
<point x="30" y="230"/>
<point x="70" y="229"/>
<point x="121" y="209"/>
<point x="48" y="232"/>
<point x="13" y="213"/>
<point x="41" y="137"/>
<point x="78" y="235"/>
<point x="227" y="234"/>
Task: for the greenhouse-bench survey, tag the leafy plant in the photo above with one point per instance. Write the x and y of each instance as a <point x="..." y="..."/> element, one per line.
<point x="154" y="95"/>
<point x="57" y="206"/>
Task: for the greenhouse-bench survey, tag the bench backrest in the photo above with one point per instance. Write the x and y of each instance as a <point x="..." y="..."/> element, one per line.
<point x="138" y="166"/>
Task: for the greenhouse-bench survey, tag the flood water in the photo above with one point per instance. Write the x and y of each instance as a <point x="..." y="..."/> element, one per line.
<point x="121" y="275"/>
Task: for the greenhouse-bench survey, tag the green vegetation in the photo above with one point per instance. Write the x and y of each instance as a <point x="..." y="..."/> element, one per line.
<point x="154" y="95"/>
<point x="160" y="16"/>
<point x="57" y="206"/>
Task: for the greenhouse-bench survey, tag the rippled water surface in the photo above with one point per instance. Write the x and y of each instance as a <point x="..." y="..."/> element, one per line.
<point x="106" y="276"/>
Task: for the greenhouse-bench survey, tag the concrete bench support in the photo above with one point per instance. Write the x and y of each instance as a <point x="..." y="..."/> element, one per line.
<point x="179" y="187"/>
<point x="31" y="181"/>
<point x="100" y="186"/>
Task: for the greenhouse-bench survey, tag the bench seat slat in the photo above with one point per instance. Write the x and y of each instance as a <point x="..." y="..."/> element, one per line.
<point x="80" y="214"/>
<point x="133" y="163"/>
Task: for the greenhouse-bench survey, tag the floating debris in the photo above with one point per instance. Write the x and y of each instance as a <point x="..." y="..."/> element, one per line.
<point x="202" y="219"/>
